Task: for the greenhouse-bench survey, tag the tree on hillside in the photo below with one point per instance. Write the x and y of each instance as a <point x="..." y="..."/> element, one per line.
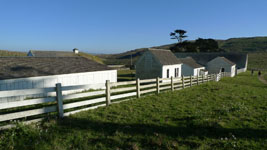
<point x="178" y="35"/>
<point x="207" y="45"/>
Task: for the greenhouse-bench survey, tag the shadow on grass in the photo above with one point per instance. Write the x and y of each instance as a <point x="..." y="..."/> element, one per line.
<point x="188" y="129"/>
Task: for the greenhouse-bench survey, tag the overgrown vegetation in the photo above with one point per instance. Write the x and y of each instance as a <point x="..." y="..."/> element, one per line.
<point x="4" y="53"/>
<point x="230" y="114"/>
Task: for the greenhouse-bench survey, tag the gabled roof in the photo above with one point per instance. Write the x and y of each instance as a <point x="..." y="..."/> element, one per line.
<point x="228" y="61"/>
<point x="22" y="67"/>
<point x="165" y="57"/>
<point x="190" y="62"/>
<point x="240" y="59"/>
<point x="36" y="53"/>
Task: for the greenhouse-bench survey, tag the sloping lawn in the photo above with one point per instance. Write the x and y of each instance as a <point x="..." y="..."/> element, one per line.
<point x="230" y="114"/>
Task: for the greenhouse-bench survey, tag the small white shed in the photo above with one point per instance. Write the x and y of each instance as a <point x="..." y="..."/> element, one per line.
<point x="221" y="64"/>
<point x="191" y="67"/>
<point x="158" y="63"/>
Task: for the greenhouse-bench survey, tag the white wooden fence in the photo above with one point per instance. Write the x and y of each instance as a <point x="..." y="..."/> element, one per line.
<point x="33" y="110"/>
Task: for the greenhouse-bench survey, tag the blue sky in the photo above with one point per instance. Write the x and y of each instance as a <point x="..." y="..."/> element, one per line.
<point x="112" y="26"/>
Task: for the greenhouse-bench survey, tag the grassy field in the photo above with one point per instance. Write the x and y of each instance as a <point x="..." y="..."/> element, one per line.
<point x="230" y="114"/>
<point x="126" y="75"/>
<point x="257" y="60"/>
<point x="11" y="53"/>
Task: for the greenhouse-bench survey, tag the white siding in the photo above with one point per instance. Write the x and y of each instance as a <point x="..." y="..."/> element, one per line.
<point x="171" y="70"/>
<point x="97" y="79"/>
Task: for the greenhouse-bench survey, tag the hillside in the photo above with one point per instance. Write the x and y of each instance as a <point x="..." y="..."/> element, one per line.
<point x="250" y="45"/>
<point x="4" y="53"/>
<point x="230" y="114"/>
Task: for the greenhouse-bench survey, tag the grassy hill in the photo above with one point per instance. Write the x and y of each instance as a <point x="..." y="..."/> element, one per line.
<point x="230" y="114"/>
<point x="4" y="53"/>
<point x="251" y="44"/>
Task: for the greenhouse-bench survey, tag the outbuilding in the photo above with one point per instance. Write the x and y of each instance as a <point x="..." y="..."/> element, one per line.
<point x="158" y="63"/>
<point x="40" y="72"/>
<point x="221" y="64"/>
<point x="191" y="67"/>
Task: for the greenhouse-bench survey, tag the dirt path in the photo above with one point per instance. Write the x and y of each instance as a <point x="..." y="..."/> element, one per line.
<point x="261" y="78"/>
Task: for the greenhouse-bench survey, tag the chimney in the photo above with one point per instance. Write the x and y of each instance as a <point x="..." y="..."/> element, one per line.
<point x="75" y="50"/>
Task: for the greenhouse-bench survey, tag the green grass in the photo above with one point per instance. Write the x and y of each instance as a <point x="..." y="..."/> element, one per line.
<point x="230" y="114"/>
<point x="126" y="75"/>
<point x="4" y="53"/>
<point x="92" y="57"/>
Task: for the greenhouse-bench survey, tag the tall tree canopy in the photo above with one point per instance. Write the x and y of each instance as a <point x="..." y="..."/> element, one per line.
<point x="178" y="35"/>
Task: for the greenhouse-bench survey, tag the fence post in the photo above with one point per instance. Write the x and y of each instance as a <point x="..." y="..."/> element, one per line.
<point x="197" y="80"/>
<point x="138" y="88"/>
<point x="183" y="81"/>
<point x="158" y="85"/>
<point x="203" y="78"/>
<point x="190" y="80"/>
<point x="172" y="86"/>
<point x="107" y="92"/>
<point x="59" y="100"/>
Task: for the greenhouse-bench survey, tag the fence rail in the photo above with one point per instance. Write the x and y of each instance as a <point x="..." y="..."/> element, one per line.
<point x="64" y="105"/>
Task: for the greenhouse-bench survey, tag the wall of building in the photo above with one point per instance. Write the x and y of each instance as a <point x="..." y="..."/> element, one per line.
<point x="187" y="70"/>
<point x="147" y="67"/>
<point x="215" y="66"/>
<point x="97" y="79"/>
<point x="171" y="70"/>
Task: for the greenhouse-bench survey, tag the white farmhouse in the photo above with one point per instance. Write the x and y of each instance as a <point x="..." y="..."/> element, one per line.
<point x="191" y="67"/>
<point x="158" y="63"/>
<point x="221" y="64"/>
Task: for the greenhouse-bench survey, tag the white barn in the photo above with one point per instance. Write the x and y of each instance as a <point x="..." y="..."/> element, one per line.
<point x="191" y="67"/>
<point x="221" y="64"/>
<point x="39" y="72"/>
<point x="158" y="63"/>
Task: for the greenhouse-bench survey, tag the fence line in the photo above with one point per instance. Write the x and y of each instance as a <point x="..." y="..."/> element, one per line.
<point x="64" y="105"/>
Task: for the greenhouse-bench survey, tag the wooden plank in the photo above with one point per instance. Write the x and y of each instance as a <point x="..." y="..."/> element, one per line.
<point x="87" y="94"/>
<point x="147" y="86"/>
<point x="123" y="95"/>
<point x="108" y="92"/>
<point x="79" y="87"/>
<point x="27" y="113"/>
<point x="172" y="84"/>
<point x="190" y="81"/>
<point x="165" y="87"/>
<point x="148" y="80"/>
<point x="83" y="103"/>
<point x="59" y="100"/>
<point x="27" y="102"/>
<point x="122" y="83"/>
<point x="148" y="91"/>
<point x="122" y="89"/>
<point x="158" y="86"/>
<point x="183" y="81"/>
<point x="83" y="109"/>
<point x="26" y="92"/>
<point x="165" y="83"/>
<point x="138" y="88"/>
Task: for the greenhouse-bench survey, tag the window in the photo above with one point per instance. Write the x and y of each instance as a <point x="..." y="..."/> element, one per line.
<point x="175" y="72"/>
<point x="222" y="70"/>
<point x="168" y="73"/>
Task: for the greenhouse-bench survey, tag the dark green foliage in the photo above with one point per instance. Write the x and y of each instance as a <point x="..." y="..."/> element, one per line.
<point x="178" y="35"/>
<point x="230" y="114"/>
<point x="200" y="45"/>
